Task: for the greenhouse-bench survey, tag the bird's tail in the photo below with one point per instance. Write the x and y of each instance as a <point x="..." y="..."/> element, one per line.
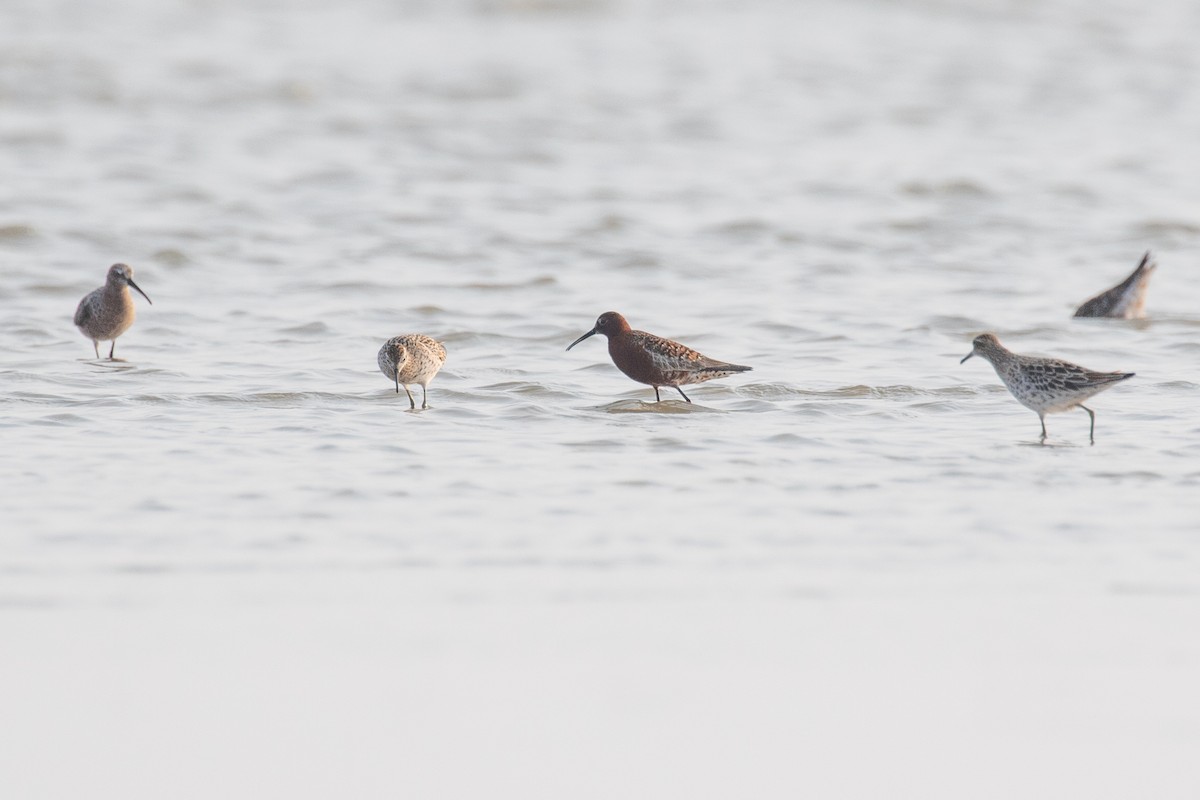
<point x="726" y="368"/>
<point x="1147" y="264"/>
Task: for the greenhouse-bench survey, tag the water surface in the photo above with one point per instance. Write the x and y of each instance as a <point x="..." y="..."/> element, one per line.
<point x="237" y="560"/>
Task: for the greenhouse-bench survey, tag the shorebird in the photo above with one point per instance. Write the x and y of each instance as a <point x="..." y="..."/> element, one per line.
<point x="1045" y="385"/>
<point x="1126" y="300"/>
<point x="412" y="358"/>
<point x="107" y="312"/>
<point x="654" y="360"/>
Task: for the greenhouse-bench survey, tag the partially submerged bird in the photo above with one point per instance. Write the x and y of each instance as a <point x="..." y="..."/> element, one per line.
<point x="412" y="358"/>
<point x="107" y="312"/>
<point x="1126" y="300"/>
<point x="654" y="360"/>
<point x="1045" y="385"/>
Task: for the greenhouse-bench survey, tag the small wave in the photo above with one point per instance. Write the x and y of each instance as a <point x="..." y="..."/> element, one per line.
<point x="1050" y="445"/>
<point x="33" y="138"/>
<point x="783" y="329"/>
<point x="958" y="188"/>
<point x="270" y="399"/>
<point x="947" y="323"/>
<point x="863" y="391"/>
<point x="58" y="289"/>
<point x="315" y="327"/>
<point x="61" y="419"/>
<point x="599" y="444"/>
<point x="18" y="233"/>
<point x="741" y="227"/>
<point x="170" y="257"/>
<point x="637" y="261"/>
<point x="1183" y="321"/>
<point x="658" y="407"/>
<point x="500" y="286"/>
<point x="607" y="223"/>
<point x="669" y="443"/>
<point x="30" y="333"/>
<point x="526" y="389"/>
<point x="952" y="391"/>
<point x="1166" y="227"/>
<point x="358" y="288"/>
<point x="110" y="365"/>
<point x="912" y="224"/>
<point x="1132" y="475"/>
<point x="792" y="439"/>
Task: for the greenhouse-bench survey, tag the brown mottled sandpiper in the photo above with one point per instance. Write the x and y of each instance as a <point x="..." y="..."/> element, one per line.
<point x="654" y="360"/>
<point x="412" y="358"/>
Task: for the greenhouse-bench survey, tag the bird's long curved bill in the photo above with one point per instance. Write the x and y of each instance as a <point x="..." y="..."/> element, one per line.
<point x="592" y="332"/>
<point x="139" y="291"/>
<point x="968" y="355"/>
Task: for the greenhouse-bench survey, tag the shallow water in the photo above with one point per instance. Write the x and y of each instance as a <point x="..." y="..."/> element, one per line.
<point x="236" y="558"/>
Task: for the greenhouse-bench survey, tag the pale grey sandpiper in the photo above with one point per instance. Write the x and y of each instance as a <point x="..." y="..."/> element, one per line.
<point x="412" y="358"/>
<point x="1045" y="385"/>
<point x="107" y="312"/>
<point x="1126" y="300"/>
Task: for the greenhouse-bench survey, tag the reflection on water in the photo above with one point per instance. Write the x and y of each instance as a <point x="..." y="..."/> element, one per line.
<point x="655" y="407"/>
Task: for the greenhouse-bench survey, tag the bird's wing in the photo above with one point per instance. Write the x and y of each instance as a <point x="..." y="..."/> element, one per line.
<point x="83" y="312"/>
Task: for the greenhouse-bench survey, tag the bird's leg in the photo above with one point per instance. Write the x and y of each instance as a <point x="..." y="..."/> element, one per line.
<point x="1043" y="419"/>
<point x="112" y="350"/>
<point x="412" y="404"/>
<point x="656" y="397"/>
<point x="685" y="397"/>
<point x="96" y="347"/>
<point x="1092" y="414"/>
<point x="424" y="397"/>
